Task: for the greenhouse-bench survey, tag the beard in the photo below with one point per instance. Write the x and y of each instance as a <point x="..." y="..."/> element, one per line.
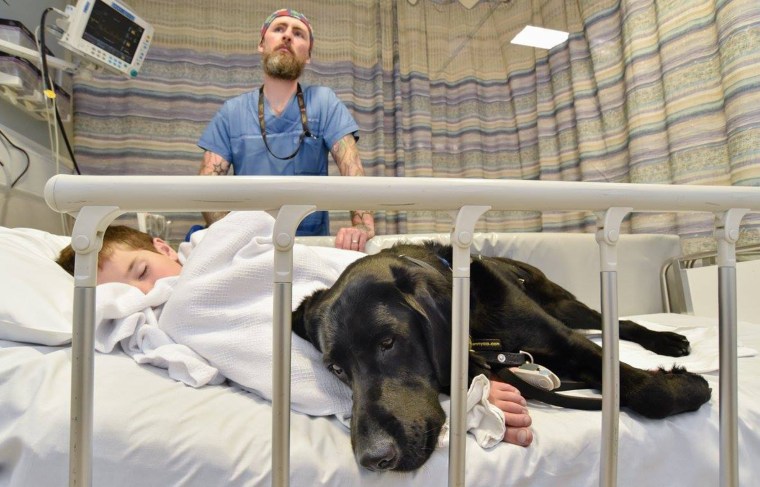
<point x="283" y="65"/>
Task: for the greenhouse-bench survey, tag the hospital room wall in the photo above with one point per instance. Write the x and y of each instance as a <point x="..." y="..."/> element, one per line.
<point x="22" y="205"/>
<point x="29" y="13"/>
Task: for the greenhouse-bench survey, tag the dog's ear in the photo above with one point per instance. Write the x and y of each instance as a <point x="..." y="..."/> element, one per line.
<point x="434" y="308"/>
<point x="303" y="317"/>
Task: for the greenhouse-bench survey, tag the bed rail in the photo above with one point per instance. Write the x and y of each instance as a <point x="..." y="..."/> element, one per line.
<point x="97" y="200"/>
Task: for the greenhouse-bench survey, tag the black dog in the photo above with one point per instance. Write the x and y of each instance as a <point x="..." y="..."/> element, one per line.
<point x="384" y="328"/>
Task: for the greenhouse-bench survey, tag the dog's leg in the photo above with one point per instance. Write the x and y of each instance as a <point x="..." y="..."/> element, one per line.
<point x="578" y="316"/>
<point x="651" y="393"/>
<point x="502" y="308"/>
<point x="561" y="304"/>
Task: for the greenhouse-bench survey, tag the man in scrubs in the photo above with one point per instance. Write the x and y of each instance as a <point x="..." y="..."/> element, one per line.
<point x="284" y="128"/>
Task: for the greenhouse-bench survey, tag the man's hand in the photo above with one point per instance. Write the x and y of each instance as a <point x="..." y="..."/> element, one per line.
<point x="346" y="155"/>
<point x="352" y="238"/>
<point x="356" y="236"/>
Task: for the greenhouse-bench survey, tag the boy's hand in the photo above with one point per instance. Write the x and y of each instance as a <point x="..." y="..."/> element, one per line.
<point x="516" y="417"/>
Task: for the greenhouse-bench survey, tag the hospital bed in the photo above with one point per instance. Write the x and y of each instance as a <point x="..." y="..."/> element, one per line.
<point x="136" y="425"/>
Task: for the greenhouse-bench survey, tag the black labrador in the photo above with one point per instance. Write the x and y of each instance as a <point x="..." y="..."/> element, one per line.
<point x="384" y="329"/>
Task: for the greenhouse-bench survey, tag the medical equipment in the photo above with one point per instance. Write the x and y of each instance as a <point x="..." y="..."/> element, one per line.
<point x="107" y="33"/>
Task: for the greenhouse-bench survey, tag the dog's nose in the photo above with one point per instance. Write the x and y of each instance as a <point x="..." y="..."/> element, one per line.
<point x="382" y="456"/>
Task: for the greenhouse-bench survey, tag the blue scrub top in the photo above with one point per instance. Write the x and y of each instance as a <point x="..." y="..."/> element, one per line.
<point x="235" y="135"/>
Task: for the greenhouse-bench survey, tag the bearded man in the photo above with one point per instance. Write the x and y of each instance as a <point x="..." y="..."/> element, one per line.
<point x="284" y="128"/>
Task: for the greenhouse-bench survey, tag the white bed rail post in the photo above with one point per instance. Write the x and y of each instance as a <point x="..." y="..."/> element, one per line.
<point x="461" y="239"/>
<point x="727" y="234"/>
<point x="86" y="241"/>
<point x="283" y="237"/>
<point x="607" y="235"/>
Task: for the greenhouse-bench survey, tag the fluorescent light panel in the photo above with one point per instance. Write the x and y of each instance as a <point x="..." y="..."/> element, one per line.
<point x="540" y="37"/>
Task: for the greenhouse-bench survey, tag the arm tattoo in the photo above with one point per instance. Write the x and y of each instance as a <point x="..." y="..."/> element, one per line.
<point x="217" y="169"/>
<point x="214" y="165"/>
<point x="346" y="155"/>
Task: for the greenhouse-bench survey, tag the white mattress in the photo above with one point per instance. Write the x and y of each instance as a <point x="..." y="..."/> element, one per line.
<point x="153" y="431"/>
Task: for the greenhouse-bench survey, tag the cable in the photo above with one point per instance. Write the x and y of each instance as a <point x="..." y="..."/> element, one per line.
<point x="50" y="87"/>
<point x="28" y="160"/>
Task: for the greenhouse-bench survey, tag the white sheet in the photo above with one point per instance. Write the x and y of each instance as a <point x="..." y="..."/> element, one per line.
<point x="703" y="337"/>
<point x="154" y="431"/>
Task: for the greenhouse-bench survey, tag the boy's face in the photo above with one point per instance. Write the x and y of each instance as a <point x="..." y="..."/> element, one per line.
<point x="140" y="268"/>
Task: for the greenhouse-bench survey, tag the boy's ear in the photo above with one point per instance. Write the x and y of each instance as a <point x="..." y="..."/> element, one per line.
<point x="164" y="248"/>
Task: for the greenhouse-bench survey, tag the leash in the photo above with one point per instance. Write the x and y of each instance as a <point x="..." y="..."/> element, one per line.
<point x="501" y="362"/>
<point x="529" y="391"/>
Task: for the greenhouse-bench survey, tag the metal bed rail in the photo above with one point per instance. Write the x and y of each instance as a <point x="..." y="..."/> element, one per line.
<point x="98" y="200"/>
<point x="674" y="286"/>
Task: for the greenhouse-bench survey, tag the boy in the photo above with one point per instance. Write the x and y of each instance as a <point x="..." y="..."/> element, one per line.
<point x="133" y="257"/>
<point x="130" y="256"/>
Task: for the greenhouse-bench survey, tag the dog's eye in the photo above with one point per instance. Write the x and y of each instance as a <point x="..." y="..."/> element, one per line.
<point x="386" y="344"/>
<point x="335" y="369"/>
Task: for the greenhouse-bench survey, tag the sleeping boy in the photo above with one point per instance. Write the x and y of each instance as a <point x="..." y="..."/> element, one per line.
<point x="131" y="257"/>
<point x="135" y="258"/>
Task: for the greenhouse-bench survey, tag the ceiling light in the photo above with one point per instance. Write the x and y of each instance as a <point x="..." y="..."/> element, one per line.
<point x="540" y="37"/>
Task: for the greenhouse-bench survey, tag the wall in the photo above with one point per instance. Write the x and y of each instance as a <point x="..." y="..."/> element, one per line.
<point x="23" y="205"/>
<point x="29" y="13"/>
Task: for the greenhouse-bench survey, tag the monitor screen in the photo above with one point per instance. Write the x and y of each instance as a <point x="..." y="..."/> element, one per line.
<point x="112" y="31"/>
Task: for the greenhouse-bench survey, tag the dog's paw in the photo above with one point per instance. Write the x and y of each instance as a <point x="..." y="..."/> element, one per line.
<point x="667" y="392"/>
<point x="668" y="343"/>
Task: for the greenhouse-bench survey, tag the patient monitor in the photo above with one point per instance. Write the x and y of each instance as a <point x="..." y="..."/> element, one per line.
<point x="107" y="33"/>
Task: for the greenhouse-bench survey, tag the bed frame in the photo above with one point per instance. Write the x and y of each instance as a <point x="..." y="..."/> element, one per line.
<point x="98" y="200"/>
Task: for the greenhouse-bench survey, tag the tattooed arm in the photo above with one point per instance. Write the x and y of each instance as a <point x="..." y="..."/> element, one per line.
<point x="213" y="165"/>
<point x="346" y="155"/>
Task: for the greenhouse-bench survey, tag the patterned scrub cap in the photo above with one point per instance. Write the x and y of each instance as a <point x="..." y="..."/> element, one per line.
<point x="288" y="12"/>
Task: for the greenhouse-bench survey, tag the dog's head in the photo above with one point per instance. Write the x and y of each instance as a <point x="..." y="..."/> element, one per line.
<point x="384" y="330"/>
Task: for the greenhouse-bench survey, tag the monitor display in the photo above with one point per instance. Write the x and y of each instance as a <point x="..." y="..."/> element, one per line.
<point x="113" y="31"/>
<point x="108" y="33"/>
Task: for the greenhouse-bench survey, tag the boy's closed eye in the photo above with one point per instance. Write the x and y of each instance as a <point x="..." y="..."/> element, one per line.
<point x="139" y="268"/>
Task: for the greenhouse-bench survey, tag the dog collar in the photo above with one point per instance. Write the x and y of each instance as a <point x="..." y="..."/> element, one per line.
<point x="492" y="352"/>
<point x="424" y="264"/>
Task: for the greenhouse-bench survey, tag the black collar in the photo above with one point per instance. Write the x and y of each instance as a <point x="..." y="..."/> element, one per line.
<point x="424" y="264"/>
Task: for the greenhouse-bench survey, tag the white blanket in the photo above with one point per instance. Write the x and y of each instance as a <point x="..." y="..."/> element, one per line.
<point x="126" y="316"/>
<point x="222" y="308"/>
<point x="218" y="322"/>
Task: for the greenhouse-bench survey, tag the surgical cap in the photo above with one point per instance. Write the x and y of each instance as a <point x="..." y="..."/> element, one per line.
<point x="288" y="12"/>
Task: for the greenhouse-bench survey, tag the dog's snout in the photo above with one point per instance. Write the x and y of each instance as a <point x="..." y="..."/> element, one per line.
<point x="382" y="456"/>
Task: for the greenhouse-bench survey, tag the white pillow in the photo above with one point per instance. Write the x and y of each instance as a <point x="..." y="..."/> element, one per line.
<point x="36" y="294"/>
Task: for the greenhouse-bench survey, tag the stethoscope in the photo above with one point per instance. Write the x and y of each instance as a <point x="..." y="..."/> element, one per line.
<point x="304" y="122"/>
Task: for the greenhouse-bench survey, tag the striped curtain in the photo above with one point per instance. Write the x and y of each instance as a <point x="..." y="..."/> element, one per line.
<point x="644" y="91"/>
